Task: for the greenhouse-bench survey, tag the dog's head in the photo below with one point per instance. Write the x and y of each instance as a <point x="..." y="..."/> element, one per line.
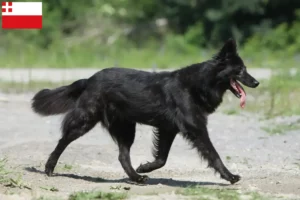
<point x="232" y="70"/>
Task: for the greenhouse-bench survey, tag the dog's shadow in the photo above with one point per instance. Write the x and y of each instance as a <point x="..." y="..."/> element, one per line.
<point x="151" y="181"/>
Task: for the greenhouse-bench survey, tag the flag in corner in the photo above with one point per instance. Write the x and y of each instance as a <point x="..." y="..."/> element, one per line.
<point x="22" y="15"/>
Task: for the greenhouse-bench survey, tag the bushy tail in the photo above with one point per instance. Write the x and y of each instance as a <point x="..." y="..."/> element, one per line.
<point x="60" y="100"/>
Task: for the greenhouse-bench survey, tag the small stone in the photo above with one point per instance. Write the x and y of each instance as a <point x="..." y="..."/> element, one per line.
<point x="126" y="188"/>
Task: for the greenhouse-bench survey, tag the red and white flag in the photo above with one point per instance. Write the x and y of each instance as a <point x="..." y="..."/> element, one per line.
<point x="22" y="15"/>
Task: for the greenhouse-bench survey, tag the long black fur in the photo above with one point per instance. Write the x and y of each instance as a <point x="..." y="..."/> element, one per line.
<point x="60" y="100"/>
<point x="172" y="102"/>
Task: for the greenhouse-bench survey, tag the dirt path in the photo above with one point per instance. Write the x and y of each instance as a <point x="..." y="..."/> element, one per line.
<point x="267" y="164"/>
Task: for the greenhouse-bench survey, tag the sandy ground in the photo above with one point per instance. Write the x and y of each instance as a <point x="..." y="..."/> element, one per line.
<point x="267" y="164"/>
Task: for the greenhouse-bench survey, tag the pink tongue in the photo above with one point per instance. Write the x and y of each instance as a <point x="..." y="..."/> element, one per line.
<point x="243" y="96"/>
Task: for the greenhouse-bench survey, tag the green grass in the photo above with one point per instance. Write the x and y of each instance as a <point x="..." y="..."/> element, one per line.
<point x="201" y="193"/>
<point x="279" y="129"/>
<point x="3" y="171"/>
<point x="95" y="195"/>
<point x="52" y="188"/>
<point x="48" y="198"/>
<point x="279" y="96"/>
<point x="65" y="167"/>
<point x="102" y="58"/>
<point x="173" y="53"/>
<point x="31" y="86"/>
<point x="228" y="158"/>
<point x="11" y="179"/>
<point x="231" y="111"/>
<point x="62" y="167"/>
<point x="297" y="164"/>
<point x="68" y="167"/>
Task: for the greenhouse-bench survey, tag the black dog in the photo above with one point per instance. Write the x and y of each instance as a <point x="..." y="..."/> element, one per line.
<point x="172" y="102"/>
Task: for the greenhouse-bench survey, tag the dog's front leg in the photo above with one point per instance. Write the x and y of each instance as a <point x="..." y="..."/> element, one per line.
<point x="198" y="136"/>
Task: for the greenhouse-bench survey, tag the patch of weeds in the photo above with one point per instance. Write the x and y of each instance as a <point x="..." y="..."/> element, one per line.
<point x="279" y="95"/>
<point x="220" y="194"/>
<point x="119" y="187"/>
<point x="231" y="112"/>
<point x="17" y="183"/>
<point x="210" y="194"/>
<point x="297" y="164"/>
<point x="68" y="167"/>
<point x="280" y="129"/>
<point x="256" y="196"/>
<point x="52" y="189"/>
<point x="95" y="195"/>
<point x="48" y="198"/>
<point x="65" y="167"/>
<point x="228" y="158"/>
<point x="3" y="171"/>
<point x="9" y="192"/>
<point x="10" y="178"/>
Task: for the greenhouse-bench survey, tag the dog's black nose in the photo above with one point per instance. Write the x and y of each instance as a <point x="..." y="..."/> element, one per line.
<point x="255" y="83"/>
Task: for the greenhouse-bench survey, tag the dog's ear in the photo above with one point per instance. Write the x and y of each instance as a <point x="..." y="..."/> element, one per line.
<point x="229" y="48"/>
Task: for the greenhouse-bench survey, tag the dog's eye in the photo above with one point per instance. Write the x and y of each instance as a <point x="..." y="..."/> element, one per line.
<point x="241" y="71"/>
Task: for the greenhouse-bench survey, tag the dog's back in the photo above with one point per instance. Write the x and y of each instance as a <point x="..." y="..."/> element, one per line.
<point x="132" y="94"/>
<point x="128" y="93"/>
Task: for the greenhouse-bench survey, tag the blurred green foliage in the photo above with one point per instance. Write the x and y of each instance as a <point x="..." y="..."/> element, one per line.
<point x="165" y="33"/>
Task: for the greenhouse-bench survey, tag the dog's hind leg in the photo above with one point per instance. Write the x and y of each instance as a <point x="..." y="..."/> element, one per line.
<point x="124" y="133"/>
<point x="76" y="123"/>
<point x="162" y="144"/>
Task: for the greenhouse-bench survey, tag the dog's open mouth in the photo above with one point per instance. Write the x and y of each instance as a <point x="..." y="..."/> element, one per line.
<point x="238" y="91"/>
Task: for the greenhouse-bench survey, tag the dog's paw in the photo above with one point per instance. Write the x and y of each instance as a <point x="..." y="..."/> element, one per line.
<point x="232" y="178"/>
<point x="142" y="168"/>
<point x="49" y="170"/>
<point x="143" y="179"/>
<point x="139" y="181"/>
